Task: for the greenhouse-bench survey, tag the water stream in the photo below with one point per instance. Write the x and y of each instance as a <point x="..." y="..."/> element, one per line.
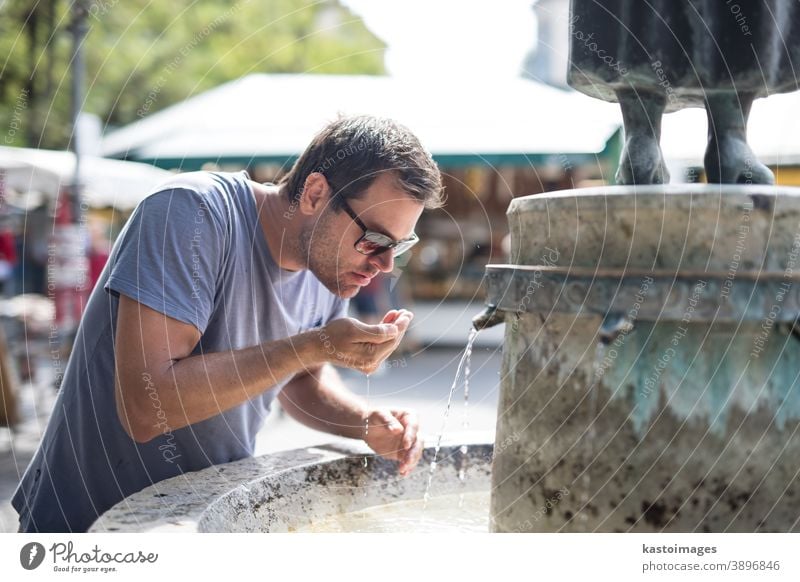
<point x="366" y="431"/>
<point x="463" y="364"/>
<point x="462" y="468"/>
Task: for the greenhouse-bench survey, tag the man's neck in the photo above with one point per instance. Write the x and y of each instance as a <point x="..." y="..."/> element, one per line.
<point x="280" y="222"/>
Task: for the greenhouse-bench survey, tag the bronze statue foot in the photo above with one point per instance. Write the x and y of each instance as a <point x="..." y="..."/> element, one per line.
<point x="641" y="162"/>
<point x="729" y="160"/>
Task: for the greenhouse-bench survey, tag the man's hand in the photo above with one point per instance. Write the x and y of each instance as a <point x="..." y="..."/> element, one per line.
<point x="393" y="434"/>
<point x="353" y="344"/>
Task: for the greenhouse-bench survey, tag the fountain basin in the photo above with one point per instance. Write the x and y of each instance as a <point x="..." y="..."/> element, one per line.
<point x="292" y="490"/>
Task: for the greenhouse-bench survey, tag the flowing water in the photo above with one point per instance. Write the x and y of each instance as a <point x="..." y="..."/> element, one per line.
<point x="465" y="358"/>
<point x="438" y="515"/>
<point x="462" y="468"/>
<point x="366" y="430"/>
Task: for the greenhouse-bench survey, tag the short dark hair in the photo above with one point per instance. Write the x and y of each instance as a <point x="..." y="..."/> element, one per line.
<point x="352" y="151"/>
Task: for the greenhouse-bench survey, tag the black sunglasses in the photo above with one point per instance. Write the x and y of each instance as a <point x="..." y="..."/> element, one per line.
<point x="373" y="243"/>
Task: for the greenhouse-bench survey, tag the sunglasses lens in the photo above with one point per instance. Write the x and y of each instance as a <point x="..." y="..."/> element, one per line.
<point x="401" y="248"/>
<point x="373" y="244"/>
<point x="405" y="245"/>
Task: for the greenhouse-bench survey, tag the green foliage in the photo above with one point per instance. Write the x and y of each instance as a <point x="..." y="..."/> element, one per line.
<point x="142" y="56"/>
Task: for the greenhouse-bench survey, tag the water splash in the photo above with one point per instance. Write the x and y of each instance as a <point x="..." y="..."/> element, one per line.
<point x="473" y="333"/>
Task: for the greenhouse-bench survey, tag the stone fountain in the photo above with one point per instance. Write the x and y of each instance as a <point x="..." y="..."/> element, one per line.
<point x="650" y="368"/>
<point x="650" y="377"/>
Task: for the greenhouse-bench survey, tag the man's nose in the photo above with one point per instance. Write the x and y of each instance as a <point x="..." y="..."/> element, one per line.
<point x="384" y="262"/>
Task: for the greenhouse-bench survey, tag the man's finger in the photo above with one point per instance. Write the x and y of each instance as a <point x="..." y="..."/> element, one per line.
<point x="402" y="323"/>
<point x="415" y="454"/>
<point x="411" y="458"/>
<point x="390" y="316"/>
<point x="391" y="421"/>
<point x="398" y="316"/>
<point x="384" y="418"/>
<point x="410" y="421"/>
<point x="404" y="415"/>
<point x="376" y="334"/>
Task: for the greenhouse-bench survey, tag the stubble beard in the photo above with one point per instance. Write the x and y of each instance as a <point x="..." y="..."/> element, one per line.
<point x="319" y="248"/>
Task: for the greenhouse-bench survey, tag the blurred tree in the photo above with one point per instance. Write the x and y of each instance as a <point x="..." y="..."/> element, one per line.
<point x="143" y="56"/>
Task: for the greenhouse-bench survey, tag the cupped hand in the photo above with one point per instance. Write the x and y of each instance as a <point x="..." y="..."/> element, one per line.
<point x="354" y="344"/>
<point x="394" y="435"/>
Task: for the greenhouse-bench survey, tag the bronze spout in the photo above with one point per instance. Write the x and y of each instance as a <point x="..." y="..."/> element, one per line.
<point x="489" y="317"/>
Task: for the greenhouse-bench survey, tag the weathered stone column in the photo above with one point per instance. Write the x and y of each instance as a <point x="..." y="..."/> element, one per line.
<point x="651" y="374"/>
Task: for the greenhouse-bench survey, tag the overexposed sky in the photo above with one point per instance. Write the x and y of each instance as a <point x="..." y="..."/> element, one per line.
<point x="474" y="38"/>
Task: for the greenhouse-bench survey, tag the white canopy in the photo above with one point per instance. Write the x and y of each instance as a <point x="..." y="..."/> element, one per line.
<point x="272" y="117"/>
<point x="32" y="177"/>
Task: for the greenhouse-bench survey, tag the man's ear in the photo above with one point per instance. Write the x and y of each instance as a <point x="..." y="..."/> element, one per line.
<point x="316" y="194"/>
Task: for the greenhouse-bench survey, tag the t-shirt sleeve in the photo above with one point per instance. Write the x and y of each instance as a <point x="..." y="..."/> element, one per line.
<point x="169" y="255"/>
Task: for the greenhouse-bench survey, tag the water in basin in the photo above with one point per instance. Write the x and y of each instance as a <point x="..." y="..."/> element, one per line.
<point x="441" y="514"/>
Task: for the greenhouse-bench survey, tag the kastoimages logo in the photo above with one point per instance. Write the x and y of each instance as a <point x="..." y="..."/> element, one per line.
<point x="31" y="555"/>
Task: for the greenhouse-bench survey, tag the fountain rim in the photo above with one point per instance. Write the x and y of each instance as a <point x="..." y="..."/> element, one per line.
<point x="174" y="505"/>
<point x="753" y="192"/>
<point x="524" y="289"/>
<point x="611" y="273"/>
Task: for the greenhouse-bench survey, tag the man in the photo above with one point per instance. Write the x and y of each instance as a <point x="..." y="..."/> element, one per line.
<point x="220" y="295"/>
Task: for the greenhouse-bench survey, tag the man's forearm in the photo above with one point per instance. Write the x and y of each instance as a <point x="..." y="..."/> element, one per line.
<point x="199" y="387"/>
<point x="321" y="401"/>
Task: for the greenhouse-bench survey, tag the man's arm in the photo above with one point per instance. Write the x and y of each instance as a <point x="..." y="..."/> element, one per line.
<point x="320" y="400"/>
<point x="153" y="365"/>
<point x="159" y="386"/>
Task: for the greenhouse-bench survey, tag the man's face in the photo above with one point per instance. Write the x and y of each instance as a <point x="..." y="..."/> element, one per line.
<point x="328" y="242"/>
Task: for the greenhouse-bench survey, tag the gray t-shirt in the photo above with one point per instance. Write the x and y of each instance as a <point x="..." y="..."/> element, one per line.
<point x="194" y="250"/>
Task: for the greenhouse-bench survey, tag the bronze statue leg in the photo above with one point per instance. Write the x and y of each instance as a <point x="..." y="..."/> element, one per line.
<point x="641" y="161"/>
<point x="729" y="159"/>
